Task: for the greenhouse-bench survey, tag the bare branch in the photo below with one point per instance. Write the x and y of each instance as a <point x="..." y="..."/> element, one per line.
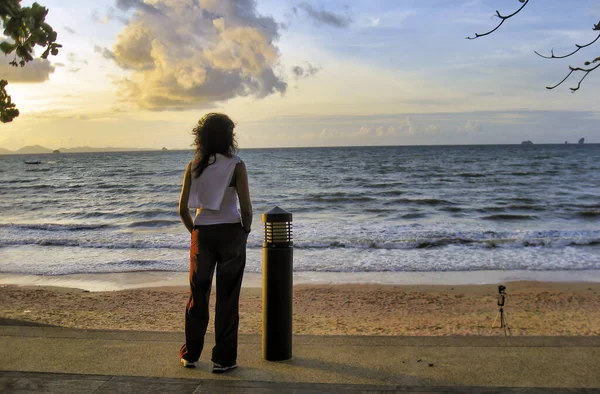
<point x="553" y="56"/>
<point x="560" y="83"/>
<point x="586" y="71"/>
<point x="502" y="19"/>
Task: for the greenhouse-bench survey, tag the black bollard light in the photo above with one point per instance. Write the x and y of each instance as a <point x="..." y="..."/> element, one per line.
<point x="277" y="282"/>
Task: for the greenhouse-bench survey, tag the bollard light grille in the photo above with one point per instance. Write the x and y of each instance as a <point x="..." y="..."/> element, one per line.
<point x="278" y="233"/>
<point x="277" y="228"/>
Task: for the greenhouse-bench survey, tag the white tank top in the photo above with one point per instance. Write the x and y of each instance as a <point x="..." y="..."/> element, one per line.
<point x="208" y="190"/>
<point x="228" y="213"/>
<point x="215" y="201"/>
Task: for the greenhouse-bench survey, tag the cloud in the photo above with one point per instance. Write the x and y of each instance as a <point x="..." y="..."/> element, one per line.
<point x="105" y="52"/>
<point x="323" y="17"/>
<point x="407" y="127"/>
<point x="74" y="58"/>
<point x="328" y="133"/>
<point x="389" y="131"/>
<point x="97" y="17"/>
<point x="110" y="55"/>
<point x="111" y="13"/>
<point x="305" y="72"/>
<point x="470" y="127"/>
<point x="377" y="131"/>
<point x="126" y="5"/>
<point x="190" y="54"/>
<point x="364" y="130"/>
<point x="432" y="129"/>
<point x="36" y="71"/>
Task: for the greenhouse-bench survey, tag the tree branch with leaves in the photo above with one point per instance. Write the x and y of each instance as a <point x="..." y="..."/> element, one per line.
<point x="589" y="65"/>
<point x="24" y="29"/>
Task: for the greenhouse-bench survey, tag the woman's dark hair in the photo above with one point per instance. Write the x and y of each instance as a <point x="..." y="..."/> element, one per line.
<point x="213" y="134"/>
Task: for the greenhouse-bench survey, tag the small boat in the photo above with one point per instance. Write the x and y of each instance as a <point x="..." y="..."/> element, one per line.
<point x="33" y="162"/>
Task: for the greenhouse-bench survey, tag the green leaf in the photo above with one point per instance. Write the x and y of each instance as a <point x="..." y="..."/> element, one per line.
<point x="7" y="47"/>
<point x="11" y="27"/>
<point x="38" y="12"/>
<point x="8" y="110"/>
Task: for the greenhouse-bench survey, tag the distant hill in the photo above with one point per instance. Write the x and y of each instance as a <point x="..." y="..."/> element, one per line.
<point x="33" y="149"/>
<point x="37" y="150"/>
<point x="87" y="149"/>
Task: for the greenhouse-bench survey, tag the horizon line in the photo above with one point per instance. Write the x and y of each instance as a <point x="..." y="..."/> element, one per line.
<point x="131" y="149"/>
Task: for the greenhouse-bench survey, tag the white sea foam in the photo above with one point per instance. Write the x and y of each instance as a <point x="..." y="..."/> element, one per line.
<point x="356" y="210"/>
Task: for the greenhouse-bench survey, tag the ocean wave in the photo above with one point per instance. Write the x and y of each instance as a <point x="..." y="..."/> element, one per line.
<point x="525" y="200"/>
<point x="491" y="209"/>
<point x="470" y="175"/>
<point x="413" y="215"/>
<point x="452" y="209"/>
<point x="443" y="268"/>
<point x="135" y="262"/>
<point x="589" y="214"/>
<point x="57" y="226"/>
<point x="419" y="201"/>
<point x="20" y="180"/>
<point x="479" y="240"/>
<point x="142" y="173"/>
<point x="344" y="198"/>
<point x="93" y="244"/>
<point x="379" y="210"/>
<point x="391" y="193"/>
<point x="384" y="185"/>
<point x="38" y="169"/>
<point x="154" y="223"/>
<point x="485" y="243"/>
<point x="507" y="216"/>
<point x="527" y="207"/>
<point x="590" y="206"/>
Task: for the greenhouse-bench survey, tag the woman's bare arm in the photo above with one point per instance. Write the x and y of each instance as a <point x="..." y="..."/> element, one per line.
<point x="241" y="186"/>
<point x="184" y="211"/>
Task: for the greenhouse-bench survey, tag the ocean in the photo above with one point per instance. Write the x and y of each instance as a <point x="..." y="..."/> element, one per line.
<point x="355" y="210"/>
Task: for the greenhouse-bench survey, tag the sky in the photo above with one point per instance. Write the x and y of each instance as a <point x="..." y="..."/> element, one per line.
<point x="140" y="73"/>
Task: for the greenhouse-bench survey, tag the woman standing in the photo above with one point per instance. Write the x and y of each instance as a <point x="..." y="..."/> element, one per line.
<point x="213" y="184"/>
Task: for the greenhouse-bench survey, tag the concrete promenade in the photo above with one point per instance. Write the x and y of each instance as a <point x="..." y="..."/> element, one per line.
<point x="52" y="359"/>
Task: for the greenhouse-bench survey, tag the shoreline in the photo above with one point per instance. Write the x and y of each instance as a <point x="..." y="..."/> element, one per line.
<point x="100" y="282"/>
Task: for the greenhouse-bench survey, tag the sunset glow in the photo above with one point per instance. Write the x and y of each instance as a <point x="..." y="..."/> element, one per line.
<point x="139" y="74"/>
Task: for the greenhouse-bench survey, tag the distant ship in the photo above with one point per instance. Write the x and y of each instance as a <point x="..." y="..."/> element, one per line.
<point x="164" y="149"/>
<point x="56" y="151"/>
<point x="33" y="162"/>
<point x="526" y="142"/>
<point x="581" y="140"/>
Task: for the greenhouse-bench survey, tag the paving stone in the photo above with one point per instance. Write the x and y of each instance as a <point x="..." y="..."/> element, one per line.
<point x="41" y="384"/>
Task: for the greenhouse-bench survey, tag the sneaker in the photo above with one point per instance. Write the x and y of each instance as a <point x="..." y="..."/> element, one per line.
<point x="218" y="368"/>
<point x="188" y="364"/>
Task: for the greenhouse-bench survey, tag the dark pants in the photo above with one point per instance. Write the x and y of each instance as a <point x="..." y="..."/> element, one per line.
<point x="222" y="246"/>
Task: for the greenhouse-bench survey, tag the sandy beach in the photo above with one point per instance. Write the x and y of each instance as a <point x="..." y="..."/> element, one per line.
<point x="532" y="308"/>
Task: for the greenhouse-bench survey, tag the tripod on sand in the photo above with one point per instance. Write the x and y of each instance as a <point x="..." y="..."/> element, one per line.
<point x="501" y="314"/>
